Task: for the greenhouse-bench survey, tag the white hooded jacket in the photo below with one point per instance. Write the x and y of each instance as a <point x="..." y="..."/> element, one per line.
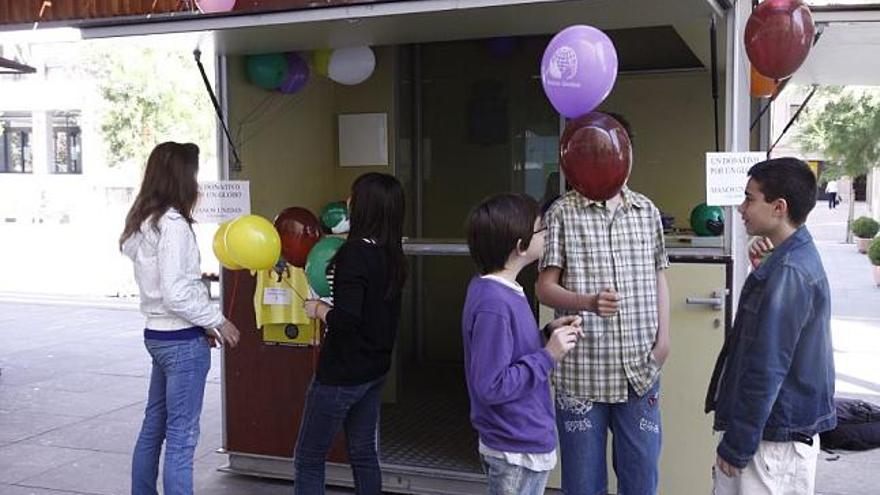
<point x="168" y="273"/>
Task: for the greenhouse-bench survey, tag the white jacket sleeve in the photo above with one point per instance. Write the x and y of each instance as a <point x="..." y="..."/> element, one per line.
<point x="182" y="290"/>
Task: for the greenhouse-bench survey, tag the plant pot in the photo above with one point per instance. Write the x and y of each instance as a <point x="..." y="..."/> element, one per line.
<point x="877" y="275"/>
<point x="862" y="244"/>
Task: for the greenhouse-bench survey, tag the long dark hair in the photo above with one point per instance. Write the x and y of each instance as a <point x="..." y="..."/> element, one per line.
<point x="377" y="209"/>
<point x="169" y="182"/>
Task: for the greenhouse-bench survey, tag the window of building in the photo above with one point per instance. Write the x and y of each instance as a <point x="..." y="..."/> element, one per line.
<point x="66" y="144"/>
<point x="15" y="144"/>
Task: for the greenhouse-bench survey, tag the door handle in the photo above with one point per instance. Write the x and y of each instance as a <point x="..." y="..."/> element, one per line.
<point x="716" y="301"/>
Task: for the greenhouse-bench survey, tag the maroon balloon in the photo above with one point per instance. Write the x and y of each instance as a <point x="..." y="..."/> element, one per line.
<point x="299" y="230"/>
<point x="596" y="155"/>
<point x="779" y="36"/>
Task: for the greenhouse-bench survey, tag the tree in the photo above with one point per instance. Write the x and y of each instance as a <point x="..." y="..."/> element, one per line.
<point x="846" y="131"/>
<point x="148" y="95"/>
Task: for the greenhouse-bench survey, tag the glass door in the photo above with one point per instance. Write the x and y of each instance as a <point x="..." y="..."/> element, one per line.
<point x="473" y="122"/>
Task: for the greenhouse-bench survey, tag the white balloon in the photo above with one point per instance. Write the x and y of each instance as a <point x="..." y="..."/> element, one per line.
<point x="352" y="65"/>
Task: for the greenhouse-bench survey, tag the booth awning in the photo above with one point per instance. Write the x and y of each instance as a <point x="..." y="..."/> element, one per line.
<point x="847" y="51"/>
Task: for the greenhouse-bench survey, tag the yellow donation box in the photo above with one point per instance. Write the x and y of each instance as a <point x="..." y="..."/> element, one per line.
<point x="278" y="307"/>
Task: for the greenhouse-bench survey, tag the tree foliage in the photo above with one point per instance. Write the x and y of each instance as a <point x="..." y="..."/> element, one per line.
<point x="845" y="130"/>
<point x="149" y="95"/>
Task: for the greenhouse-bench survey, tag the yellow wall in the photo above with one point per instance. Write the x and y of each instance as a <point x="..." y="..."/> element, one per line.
<point x="289" y="146"/>
<point x="673" y="126"/>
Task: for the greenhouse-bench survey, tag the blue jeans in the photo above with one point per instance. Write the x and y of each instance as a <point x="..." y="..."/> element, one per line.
<point x="637" y="435"/>
<point x="509" y="479"/>
<point x="329" y="408"/>
<point x="177" y="387"/>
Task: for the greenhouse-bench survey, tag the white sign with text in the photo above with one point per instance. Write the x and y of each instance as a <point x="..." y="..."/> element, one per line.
<point x="727" y="176"/>
<point x="222" y="200"/>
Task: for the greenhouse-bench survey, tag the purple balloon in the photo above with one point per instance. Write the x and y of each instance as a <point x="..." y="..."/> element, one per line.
<point x="578" y="70"/>
<point x="297" y="74"/>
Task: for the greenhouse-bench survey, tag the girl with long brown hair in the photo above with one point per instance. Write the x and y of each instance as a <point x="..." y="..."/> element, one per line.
<point x="159" y="239"/>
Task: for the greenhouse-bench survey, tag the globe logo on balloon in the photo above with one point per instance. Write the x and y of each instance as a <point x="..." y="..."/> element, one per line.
<point x="564" y="63"/>
<point x="578" y="70"/>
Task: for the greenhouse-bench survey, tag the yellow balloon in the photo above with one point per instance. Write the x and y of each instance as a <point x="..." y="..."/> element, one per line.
<point x="321" y="61"/>
<point x="253" y="242"/>
<point x="220" y="250"/>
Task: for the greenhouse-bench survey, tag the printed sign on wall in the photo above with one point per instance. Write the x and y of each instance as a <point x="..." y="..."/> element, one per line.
<point x="727" y="175"/>
<point x="222" y="200"/>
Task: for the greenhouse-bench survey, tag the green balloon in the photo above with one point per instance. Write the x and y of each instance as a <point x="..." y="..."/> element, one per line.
<point x="707" y="220"/>
<point x="333" y="213"/>
<point x="316" y="264"/>
<point x="268" y="70"/>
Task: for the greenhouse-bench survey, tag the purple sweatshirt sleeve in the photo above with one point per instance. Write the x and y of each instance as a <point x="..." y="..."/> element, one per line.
<point x="496" y="378"/>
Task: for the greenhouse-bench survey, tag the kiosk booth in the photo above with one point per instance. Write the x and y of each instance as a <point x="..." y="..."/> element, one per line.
<point x="457" y="105"/>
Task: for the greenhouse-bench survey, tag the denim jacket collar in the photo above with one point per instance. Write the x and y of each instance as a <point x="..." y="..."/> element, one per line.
<point x="800" y="237"/>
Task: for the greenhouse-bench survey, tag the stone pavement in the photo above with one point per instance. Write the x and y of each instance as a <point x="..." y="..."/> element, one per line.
<point x="72" y="393"/>
<point x="855" y="323"/>
<point x="75" y="374"/>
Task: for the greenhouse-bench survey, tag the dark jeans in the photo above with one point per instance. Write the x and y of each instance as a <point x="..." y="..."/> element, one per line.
<point x="832" y="200"/>
<point x="329" y="407"/>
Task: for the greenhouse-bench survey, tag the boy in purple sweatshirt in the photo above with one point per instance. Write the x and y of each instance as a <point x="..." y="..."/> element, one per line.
<point x="507" y="365"/>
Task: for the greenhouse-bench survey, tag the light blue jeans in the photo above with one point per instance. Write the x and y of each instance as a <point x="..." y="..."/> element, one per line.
<point x="510" y="479"/>
<point x="174" y="403"/>
<point x="637" y="436"/>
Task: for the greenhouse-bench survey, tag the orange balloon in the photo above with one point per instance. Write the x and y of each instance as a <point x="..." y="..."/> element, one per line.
<point x="762" y="86"/>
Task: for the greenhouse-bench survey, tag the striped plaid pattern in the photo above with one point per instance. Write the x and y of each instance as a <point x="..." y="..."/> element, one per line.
<point x="598" y="249"/>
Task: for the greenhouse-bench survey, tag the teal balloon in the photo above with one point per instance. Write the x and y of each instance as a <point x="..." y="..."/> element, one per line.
<point x="707" y="220"/>
<point x="268" y="70"/>
<point x="333" y="214"/>
<point x="317" y="261"/>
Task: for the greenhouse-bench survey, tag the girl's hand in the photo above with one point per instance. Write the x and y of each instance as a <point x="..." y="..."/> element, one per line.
<point x="227" y="334"/>
<point x="562" y="341"/>
<point x="569" y="320"/>
<point x="316" y="309"/>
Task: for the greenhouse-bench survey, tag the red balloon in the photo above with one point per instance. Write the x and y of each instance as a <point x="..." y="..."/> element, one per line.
<point x="779" y="36"/>
<point x="596" y="155"/>
<point x="299" y="230"/>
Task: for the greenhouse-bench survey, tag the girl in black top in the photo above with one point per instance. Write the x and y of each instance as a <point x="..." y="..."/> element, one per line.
<point x="368" y="275"/>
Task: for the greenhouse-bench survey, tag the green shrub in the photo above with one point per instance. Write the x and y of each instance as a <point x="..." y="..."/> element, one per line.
<point x="874" y="252"/>
<point x="865" y="227"/>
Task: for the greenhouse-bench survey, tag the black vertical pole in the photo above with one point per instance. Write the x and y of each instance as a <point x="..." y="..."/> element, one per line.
<point x="198" y="56"/>
<point x="713" y="40"/>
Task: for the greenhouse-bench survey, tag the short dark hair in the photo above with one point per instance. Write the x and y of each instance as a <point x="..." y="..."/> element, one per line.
<point x="790" y="179"/>
<point x="494" y="227"/>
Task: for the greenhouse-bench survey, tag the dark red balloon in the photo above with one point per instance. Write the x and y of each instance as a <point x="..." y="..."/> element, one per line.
<point x="596" y="155"/>
<point x="299" y="230"/>
<point x="779" y="36"/>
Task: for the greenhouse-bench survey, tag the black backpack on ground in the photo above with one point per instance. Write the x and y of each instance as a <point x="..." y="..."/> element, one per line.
<point x="858" y="426"/>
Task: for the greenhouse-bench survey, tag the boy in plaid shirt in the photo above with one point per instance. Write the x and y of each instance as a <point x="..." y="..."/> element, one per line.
<point x="605" y="261"/>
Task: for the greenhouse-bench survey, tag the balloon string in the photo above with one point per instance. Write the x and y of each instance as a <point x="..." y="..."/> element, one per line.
<point x="287" y="281"/>
<point x="234" y="291"/>
<point x="316" y="344"/>
<point x="316" y="333"/>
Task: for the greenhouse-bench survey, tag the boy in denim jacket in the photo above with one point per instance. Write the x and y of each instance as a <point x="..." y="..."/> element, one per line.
<point x="773" y="385"/>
